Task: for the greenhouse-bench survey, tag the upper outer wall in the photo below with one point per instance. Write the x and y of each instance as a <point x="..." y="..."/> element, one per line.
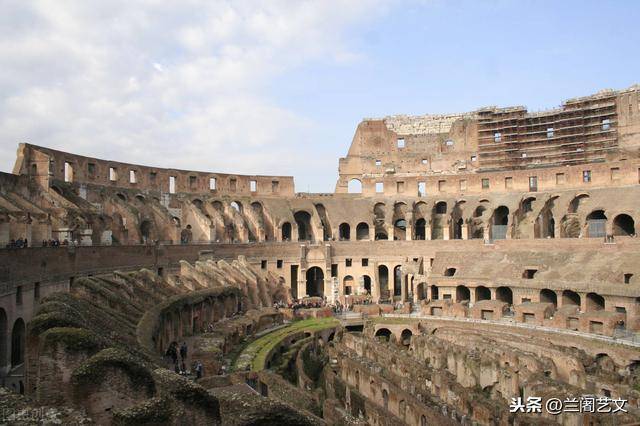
<point x="45" y="165"/>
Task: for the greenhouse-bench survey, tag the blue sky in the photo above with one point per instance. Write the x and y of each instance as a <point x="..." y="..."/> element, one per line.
<point x="279" y="89"/>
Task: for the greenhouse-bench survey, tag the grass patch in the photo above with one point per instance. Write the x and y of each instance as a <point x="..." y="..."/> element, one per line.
<point x="255" y="354"/>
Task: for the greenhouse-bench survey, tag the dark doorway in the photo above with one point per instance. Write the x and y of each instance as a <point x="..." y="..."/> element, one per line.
<point x="315" y="282"/>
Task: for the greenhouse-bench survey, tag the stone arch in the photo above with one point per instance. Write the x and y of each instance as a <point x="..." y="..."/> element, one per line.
<point x="236" y="205"/>
<point x="315" y="282"/>
<point x="4" y="344"/>
<point x="545" y="224"/>
<point x="397" y="280"/>
<point x="438" y="220"/>
<point x="17" y="342"/>
<point x="147" y="231"/>
<point x="434" y="292"/>
<point x="500" y="223"/>
<point x="405" y="337"/>
<point x="624" y="225"/>
<point x="379" y="214"/>
<point x="504" y="294"/>
<point x="286" y="231"/>
<point x="383" y="281"/>
<point x="344" y="232"/>
<point x="463" y="293"/>
<point x="570" y="297"/>
<point x="421" y="226"/>
<point x="362" y="231"/>
<point x="367" y="283"/>
<point x="324" y="221"/>
<point x="548" y="296"/>
<point x="383" y="334"/>
<point x="347" y="284"/>
<point x="303" y="220"/>
<point x="576" y="202"/>
<point x="595" y="302"/>
<point x="596" y="224"/>
<point x="482" y="293"/>
<point x="399" y="221"/>
<point x="354" y="186"/>
<point x="385" y="399"/>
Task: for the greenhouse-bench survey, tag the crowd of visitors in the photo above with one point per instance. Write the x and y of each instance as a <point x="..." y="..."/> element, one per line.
<point x="19" y="243"/>
<point x="178" y="356"/>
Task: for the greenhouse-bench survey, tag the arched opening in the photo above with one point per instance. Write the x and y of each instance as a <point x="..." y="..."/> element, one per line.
<point x="379" y="221"/>
<point x="438" y="220"/>
<point x="397" y="281"/>
<point x="347" y="285"/>
<point x="237" y="206"/>
<point x="324" y="221"/>
<point x="457" y="229"/>
<point x="462" y="293"/>
<point x="624" y="225"/>
<point x="570" y="297"/>
<point x="421" y="292"/>
<point x="344" y="232"/>
<point x="303" y="220"/>
<point x="421" y="229"/>
<point x="434" y="292"/>
<point x="449" y="272"/>
<point x="146" y="230"/>
<point x="315" y="282"/>
<point x="17" y="343"/>
<point x="400" y="229"/>
<point x="504" y="294"/>
<point x="500" y="223"/>
<point x="367" y="283"/>
<point x="596" y="224"/>
<point x="354" y="186"/>
<point x="3" y="338"/>
<point x="383" y="279"/>
<point x="548" y="296"/>
<point x="402" y="409"/>
<point x="362" y="231"/>
<point x="605" y="362"/>
<point x="286" y="231"/>
<point x="383" y="334"/>
<point x="405" y="337"/>
<point x="385" y="399"/>
<point x="482" y="293"/>
<point x="595" y="302"/>
<point x="440" y="207"/>
<point x="575" y="204"/>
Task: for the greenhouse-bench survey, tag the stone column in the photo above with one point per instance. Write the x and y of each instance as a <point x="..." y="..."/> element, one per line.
<point x="465" y="231"/>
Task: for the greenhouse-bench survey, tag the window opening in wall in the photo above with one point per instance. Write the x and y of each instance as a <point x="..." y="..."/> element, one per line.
<point x="132" y="176"/>
<point x="400" y="187"/>
<point x="586" y="176"/>
<point x="528" y="274"/>
<point x="379" y="187"/>
<point x="91" y="169"/>
<point x="549" y="132"/>
<point x="172" y="184"/>
<point x="212" y="184"/>
<point x="497" y="137"/>
<point x="263" y="264"/>
<point x="524" y="155"/>
<point x="275" y="186"/>
<point x="615" y="173"/>
<point x="68" y="172"/>
<point x="422" y="189"/>
<point x="152" y="177"/>
<point x="347" y="262"/>
<point x="533" y="183"/>
<point x="424" y="161"/>
<point x="526" y="300"/>
<point x="232" y="184"/>
<point x="253" y="185"/>
<point x="508" y="182"/>
<point x="485" y="183"/>
<point x="441" y="185"/>
<point x="378" y="162"/>
<point x="36" y="291"/>
<point x="621" y="309"/>
<point x="193" y="180"/>
<point x="474" y="158"/>
<point x="449" y="142"/>
<point x="365" y="262"/>
<point x="19" y="295"/>
<point x="401" y="143"/>
<point x="113" y="174"/>
<point x="279" y="263"/>
<point x="449" y="272"/>
<point x="560" y="179"/>
<point x="606" y="124"/>
<point x="463" y="185"/>
<point x="627" y="278"/>
<point x="446" y="296"/>
<point x="334" y="269"/>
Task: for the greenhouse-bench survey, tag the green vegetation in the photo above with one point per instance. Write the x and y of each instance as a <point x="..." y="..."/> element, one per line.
<point x="74" y="339"/>
<point x="255" y="354"/>
<point x="153" y="411"/>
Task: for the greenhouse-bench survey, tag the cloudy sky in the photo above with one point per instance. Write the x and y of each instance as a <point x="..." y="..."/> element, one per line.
<point x="278" y="87"/>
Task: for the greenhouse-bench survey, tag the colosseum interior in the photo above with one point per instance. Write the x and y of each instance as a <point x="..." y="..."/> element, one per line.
<point x="464" y="262"/>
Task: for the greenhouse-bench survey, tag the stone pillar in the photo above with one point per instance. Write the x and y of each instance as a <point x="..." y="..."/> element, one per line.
<point x="390" y="232"/>
<point x="372" y="232"/>
<point x="403" y="286"/>
<point x="465" y="231"/>
<point x="427" y="230"/>
<point x="409" y="230"/>
<point x="375" y="284"/>
<point x="446" y="231"/>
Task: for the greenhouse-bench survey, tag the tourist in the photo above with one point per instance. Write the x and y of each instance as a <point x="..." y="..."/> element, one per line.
<point x="183" y="351"/>
<point x="198" y="370"/>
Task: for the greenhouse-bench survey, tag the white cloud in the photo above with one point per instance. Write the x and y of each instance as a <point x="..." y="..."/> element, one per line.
<point x="165" y="83"/>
